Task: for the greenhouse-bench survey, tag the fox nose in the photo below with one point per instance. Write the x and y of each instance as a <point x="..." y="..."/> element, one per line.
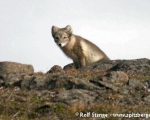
<point x="59" y="44"/>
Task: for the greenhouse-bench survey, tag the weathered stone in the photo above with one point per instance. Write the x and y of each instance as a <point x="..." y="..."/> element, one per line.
<point x="13" y="67"/>
<point x="115" y="86"/>
<point x="134" y="67"/>
<point x="27" y="82"/>
<point x="55" y="69"/>
<point x="12" y="73"/>
<point x="113" y="80"/>
<point x="40" y="83"/>
<point x="77" y="99"/>
<point x="68" y="82"/>
<point x="147" y="99"/>
<point x="148" y="83"/>
<point x="134" y="83"/>
<point x="105" y="84"/>
<point x="2" y="83"/>
<point x="130" y="67"/>
<point x="12" y="79"/>
<point x="69" y="67"/>
<point x="118" y="78"/>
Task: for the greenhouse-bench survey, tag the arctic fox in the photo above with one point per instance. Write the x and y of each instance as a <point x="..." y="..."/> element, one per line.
<point x="80" y="50"/>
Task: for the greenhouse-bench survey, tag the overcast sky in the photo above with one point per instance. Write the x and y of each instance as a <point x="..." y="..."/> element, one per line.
<point x="121" y="28"/>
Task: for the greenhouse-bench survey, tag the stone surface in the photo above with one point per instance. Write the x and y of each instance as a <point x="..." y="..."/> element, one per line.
<point x="115" y="86"/>
<point x="13" y="67"/>
<point x="69" y="67"/>
<point x="13" y="73"/>
<point x="55" y="69"/>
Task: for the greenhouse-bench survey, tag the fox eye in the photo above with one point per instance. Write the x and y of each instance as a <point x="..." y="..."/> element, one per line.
<point x="56" y="38"/>
<point x="65" y="37"/>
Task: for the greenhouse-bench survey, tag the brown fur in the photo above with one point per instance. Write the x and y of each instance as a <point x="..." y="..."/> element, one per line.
<point x="80" y="50"/>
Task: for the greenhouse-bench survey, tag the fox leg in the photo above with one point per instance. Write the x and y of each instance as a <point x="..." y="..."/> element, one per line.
<point x="77" y="65"/>
<point x="82" y="62"/>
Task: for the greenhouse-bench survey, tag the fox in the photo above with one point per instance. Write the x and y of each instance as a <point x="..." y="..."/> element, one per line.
<point x="80" y="50"/>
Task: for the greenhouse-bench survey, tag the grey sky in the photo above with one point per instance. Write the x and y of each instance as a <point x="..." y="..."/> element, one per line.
<point x="121" y="28"/>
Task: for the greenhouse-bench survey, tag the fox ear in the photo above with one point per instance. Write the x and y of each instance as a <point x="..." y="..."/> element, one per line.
<point x="54" y="29"/>
<point x="69" y="29"/>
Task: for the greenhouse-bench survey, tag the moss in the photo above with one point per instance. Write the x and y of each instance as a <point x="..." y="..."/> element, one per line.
<point x="60" y="108"/>
<point x="44" y="109"/>
<point x="1" y="111"/>
<point x="32" y="116"/>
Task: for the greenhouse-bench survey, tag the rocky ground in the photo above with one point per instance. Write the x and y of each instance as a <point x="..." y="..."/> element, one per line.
<point x="98" y="91"/>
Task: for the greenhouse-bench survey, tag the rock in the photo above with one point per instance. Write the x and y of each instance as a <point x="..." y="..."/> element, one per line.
<point x="134" y="67"/>
<point x="27" y="82"/>
<point x="112" y="86"/>
<point x="56" y="69"/>
<point x="68" y="82"/>
<point x="40" y="82"/>
<point x="134" y="83"/>
<point x="2" y="83"/>
<point x="77" y="99"/>
<point x="119" y="78"/>
<point x="146" y="98"/>
<point x="69" y="67"/>
<point x="12" y="79"/>
<point x="36" y="81"/>
<point x="130" y="67"/>
<point x="100" y="65"/>
<point x="113" y="80"/>
<point x="13" y="67"/>
<point x="12" y="73"/>
<point x="107" y="85"/>
<point x="148" y="83"/>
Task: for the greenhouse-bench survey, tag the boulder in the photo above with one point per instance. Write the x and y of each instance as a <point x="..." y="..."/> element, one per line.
<point x="69" y="66"/>
<point x="13" y="67"/>
<point x="13" y="73"/>
<point x="105" y="87"/>
<point x="56" y="69"/>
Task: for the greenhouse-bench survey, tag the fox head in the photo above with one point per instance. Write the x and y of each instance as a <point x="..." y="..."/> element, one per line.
<point x="62" y="35"/>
